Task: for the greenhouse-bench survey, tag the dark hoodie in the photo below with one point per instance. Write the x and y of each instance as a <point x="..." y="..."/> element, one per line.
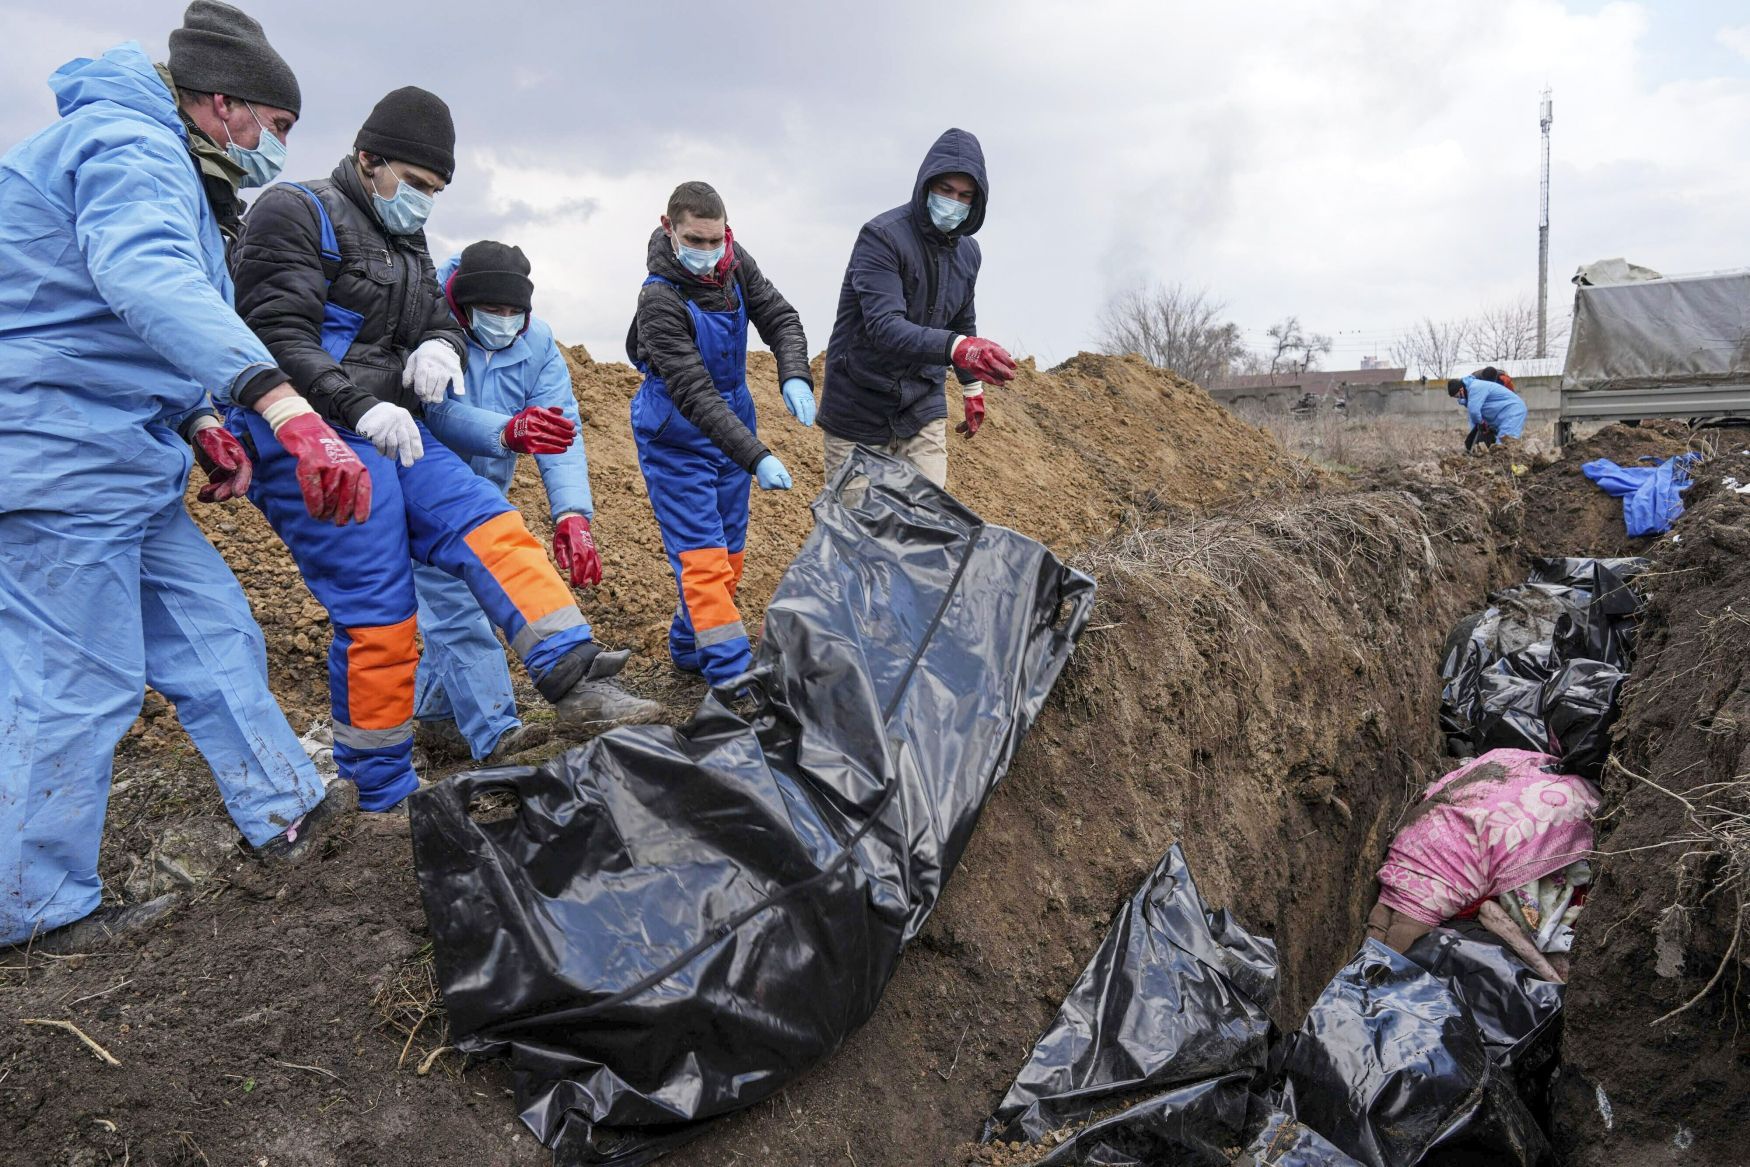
<point x="662" y="338"/>
<point x="908" y="292"/>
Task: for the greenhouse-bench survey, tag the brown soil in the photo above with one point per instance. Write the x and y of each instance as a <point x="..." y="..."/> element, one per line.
<point x="1677" y="1090"/>
<point x="1564" y="509"/>
<point x="1259" y="684"/>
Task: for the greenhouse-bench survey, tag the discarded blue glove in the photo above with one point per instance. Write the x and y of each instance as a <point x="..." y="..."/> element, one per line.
<point x="771" y="474"/>
<point x="799" y="400"/>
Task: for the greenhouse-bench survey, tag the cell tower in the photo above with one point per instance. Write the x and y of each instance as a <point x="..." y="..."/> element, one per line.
<point x="1543" y="120"/>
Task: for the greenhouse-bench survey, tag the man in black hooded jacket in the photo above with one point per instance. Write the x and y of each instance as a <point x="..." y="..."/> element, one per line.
<point x="906" y="313"/>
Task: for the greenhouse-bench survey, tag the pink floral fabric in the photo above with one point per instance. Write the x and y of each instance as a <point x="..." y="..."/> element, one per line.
<point x="1492" y="824"/>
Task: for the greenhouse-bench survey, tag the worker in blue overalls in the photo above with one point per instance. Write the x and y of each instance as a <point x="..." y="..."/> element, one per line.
<point x="693" y="417"/>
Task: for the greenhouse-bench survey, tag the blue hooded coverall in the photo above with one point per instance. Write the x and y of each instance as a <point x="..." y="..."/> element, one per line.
<point x="700" y="497"/>
<point x="462" y="673"/>
<point x="1496" y="406"/>
<point x="115" y="324"/>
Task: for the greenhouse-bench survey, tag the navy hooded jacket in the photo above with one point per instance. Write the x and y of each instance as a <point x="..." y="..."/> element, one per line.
<point x="907" y="294"/>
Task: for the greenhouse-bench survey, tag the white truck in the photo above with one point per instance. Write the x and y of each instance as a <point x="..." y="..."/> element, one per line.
<point x="1644" y="345"/>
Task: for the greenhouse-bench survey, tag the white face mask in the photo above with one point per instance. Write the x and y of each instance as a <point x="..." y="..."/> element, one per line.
<point x="947" y="213"/>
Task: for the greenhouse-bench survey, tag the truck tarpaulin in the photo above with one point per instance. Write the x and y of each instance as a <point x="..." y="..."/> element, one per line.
<point x="1177" y="993"/>
<point x="674" y="923"/>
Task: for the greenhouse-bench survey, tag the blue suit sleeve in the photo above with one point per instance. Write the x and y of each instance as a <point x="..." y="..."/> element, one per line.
<point x="875" y="280"/>
<point x="566" y="476"/>
<point x="135" y="219"/>
<point x="466" y="429"/>
<point x="1475" y="397"/>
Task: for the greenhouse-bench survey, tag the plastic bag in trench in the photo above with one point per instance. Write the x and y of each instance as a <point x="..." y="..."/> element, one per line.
<point x="1392" y="1068"/>
<point x="675" y="923"/>
<point x="1177" y="993"/>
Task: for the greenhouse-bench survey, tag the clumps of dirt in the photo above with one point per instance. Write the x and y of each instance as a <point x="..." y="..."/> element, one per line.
<point x="1657" y="1064"/>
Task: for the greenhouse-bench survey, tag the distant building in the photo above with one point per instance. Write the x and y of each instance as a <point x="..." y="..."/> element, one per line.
<point x="1324" y="382"/>
<point x="1372" y="363"/>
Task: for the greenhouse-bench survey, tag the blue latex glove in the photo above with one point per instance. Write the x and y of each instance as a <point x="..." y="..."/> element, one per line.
<point x="799" y="399"/>
<point x="771" y="474"/>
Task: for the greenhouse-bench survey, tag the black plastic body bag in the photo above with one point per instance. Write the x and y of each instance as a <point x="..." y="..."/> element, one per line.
<point x="676" y="922"/>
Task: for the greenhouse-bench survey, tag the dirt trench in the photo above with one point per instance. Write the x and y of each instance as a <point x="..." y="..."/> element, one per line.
<point x="1258" y="684"/>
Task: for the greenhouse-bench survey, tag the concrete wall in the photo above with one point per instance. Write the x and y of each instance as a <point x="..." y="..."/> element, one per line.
<point x="1409" y="400"/>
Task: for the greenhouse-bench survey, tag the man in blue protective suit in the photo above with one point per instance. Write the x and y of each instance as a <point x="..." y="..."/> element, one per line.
<point x="906" y="313"/>
<point x="693" y="418"/>
<point x="518" y="401"/>
<point x="1495" y="411"/>
<point x="335" y="277"/>
<point x="115" y="326"/>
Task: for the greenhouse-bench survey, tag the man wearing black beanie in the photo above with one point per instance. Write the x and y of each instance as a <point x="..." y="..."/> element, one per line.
<point x="335" y="276"/>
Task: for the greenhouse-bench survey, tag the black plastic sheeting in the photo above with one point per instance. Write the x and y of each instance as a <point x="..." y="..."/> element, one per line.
<point x="1285" y="1142"/>
<point x="1541" y="667"/>
<point x="674" y="923"/>
<point x="1392" y="1068"/>
<point x="1176" y="993"/>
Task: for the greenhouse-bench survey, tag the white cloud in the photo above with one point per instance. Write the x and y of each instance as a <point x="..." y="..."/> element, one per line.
<point x="1736" y="38"/>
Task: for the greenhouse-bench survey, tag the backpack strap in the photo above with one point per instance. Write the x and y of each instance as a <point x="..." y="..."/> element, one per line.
<point x="329" y="244"/>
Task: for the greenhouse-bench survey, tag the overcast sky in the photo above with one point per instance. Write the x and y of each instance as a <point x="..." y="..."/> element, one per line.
<point x="1360" y="163"/>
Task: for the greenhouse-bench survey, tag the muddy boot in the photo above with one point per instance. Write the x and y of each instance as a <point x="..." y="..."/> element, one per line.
<point x="102" y="926"/>
<point x="584" y="697"/>
<point x="515" y="741"/>
<point x="442" y="741"/>
<point x="302" y="837"/>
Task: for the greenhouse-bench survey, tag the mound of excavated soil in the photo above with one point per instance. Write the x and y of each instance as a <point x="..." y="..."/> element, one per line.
<point x="1564" y="509"/>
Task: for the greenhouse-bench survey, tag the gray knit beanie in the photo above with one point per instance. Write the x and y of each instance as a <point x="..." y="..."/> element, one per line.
<point x="218" y="49"/>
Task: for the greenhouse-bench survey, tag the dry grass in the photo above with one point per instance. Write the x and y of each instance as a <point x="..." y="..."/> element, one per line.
<point x="411" y="1008"/>
<point x="1253" y="559"/>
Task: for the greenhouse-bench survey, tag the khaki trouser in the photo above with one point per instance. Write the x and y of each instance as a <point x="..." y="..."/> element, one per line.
<point x="928" y="451"/>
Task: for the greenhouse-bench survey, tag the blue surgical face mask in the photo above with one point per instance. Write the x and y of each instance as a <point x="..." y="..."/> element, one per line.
<point x="495" y="332"/>
<point x="263" y="164"/>
<point x="698" y="260"/>
<point x="406" y="212"/>
<point x="947" y="213"/>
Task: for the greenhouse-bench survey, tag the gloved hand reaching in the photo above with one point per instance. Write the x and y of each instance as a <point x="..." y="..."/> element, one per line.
<point x="432" y="369"/>
<point x="223" y="458"/>
<point x="391" y="429"/>
<point x="771" y="475"/>
<point x="974" y="413"/>
<point x="538" y="430"/>
<point x="335" y="484"/>
<point x="984" y="359"/>
<point x="799" y="400"/>
<point x="574" y="551"/>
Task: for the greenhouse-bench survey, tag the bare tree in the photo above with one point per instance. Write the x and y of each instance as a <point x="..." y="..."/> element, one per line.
<point x="1508" y="332"/>
<point x="1174" y="328"/>
<point x="1434" y="348"/>
<point x="1288" y="338"/>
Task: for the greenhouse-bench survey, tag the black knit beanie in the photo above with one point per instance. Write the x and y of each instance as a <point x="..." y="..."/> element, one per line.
<point x="493" y="273"/>
<point x="412" y="125"/>
<point x="220" y="50"/>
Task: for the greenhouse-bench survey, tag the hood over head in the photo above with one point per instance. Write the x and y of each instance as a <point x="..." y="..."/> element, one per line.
<point x="955" y="152"/>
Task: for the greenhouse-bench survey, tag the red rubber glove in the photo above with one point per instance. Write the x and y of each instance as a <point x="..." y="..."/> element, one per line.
<point x="335" y="483"/>
<point x="984" y="359"/>
<point x="974" y="415"/>
<point x="574" y="550"/>
<point x="225" y="461"/>
<point x="539" y="431"/>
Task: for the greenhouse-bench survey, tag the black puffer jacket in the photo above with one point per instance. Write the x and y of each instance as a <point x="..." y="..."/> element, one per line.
<point x="387" y="279"/>
<point x="662" y="337"/>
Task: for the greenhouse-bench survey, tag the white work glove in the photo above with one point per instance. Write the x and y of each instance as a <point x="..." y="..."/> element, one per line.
<point x="431" y="369"/>
<point x="391" y="429"/>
